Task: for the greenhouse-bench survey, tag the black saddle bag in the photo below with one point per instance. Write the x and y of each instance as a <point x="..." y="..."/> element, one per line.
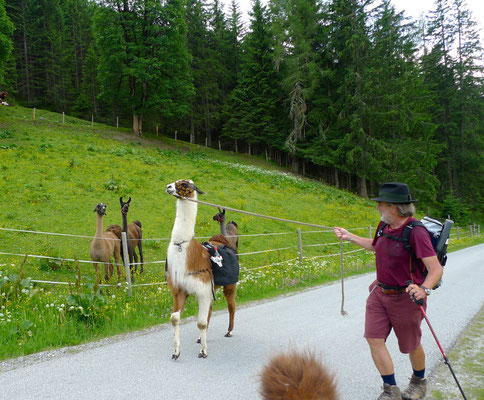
<point x="228" y="273"/>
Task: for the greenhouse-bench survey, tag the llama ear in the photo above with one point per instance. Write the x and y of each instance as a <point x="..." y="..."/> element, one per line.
<point x="197" y="189"/>
<point x="129" y="201"/>
<point x="121" y="200"/>
<point x="95" y="209"/>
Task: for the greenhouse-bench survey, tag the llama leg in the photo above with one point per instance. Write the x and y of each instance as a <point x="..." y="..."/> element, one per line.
<point x="179" y="303"/>
<point x="135" y="256"/>
<point x="208" y="321"/>
<point x="106" y="271"/>
<point x="229" y="293"/>
<point x="131" y="267"/>
<point x="118" y="266"/>
<point x="96" y="267"/>
<point x="140" y="247"/>
<point x="204" y="304"/>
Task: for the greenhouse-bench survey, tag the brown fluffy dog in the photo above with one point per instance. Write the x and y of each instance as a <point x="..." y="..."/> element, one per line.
<point x="297" y="376"/>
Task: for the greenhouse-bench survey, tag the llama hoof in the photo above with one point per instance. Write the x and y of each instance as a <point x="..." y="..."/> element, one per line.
<point x="175" y="356"/>
<point x="228" y="334"/>
<point x="202" y="354"/>
<point x="199" y="340"/>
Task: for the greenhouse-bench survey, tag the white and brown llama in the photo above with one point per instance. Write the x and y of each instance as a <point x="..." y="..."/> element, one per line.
<point x="105" y="245"/>
<point x="188" y="264"/>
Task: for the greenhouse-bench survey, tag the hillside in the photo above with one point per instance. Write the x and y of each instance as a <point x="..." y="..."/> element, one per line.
<point x="52" y="175"/>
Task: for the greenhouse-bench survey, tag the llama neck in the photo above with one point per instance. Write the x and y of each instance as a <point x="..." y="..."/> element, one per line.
<point x="223" y="229"/>
<point x="125" y="222"/>
<point x="186" y="216"/>
<point x="99" y="227"/>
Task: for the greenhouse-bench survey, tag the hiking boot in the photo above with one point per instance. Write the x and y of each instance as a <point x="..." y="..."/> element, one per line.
<point x="416" y="389"/>
<point x="390" y="392"/>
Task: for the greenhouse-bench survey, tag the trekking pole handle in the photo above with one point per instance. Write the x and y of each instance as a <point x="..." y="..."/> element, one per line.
<point x="419" y="302"/>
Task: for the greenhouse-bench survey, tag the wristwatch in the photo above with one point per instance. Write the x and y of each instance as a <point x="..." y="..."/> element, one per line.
<point x="427" y="290"/>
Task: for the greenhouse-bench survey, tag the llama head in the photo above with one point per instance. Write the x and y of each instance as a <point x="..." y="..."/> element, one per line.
<point x="124" y="205"/>
<point x="100" y="209"/>
<point x="220" y="216"/>
<point x="183" y="188"/>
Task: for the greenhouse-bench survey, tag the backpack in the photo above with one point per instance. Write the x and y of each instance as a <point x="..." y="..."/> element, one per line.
<point x="439" y="236"/>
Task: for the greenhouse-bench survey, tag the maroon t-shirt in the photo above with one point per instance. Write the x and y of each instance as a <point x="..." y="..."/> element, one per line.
<point x="393" y="260"/>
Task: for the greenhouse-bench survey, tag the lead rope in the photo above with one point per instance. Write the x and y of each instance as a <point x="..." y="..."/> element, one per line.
<point x="257" y="215"/>
<point x="343" y="312"/>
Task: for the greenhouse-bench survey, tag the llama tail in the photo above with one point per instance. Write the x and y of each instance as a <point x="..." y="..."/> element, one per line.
<point x="295" y="375"/>
<point x="137" y="223"/>
<point x="116" y="229"/>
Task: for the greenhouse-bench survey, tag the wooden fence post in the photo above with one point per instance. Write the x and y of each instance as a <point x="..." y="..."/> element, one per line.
<point x="470" y="230"/>
<point x="92" y="120"/>
<point x="219" y="145"/>
<point x="300" y="244"/>
<point x="33" y="116"/>
<point x="126" y="261"/>
<point x="63" y="117"/>
<point x="117" y="122"/>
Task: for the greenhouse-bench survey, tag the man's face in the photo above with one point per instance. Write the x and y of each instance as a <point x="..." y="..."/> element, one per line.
<point x="387" y="211"/>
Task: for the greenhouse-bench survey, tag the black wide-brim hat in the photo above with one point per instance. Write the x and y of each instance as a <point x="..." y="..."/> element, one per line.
<point x="394" y="192"/>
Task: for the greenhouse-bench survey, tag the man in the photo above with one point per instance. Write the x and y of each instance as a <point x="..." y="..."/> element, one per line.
<point x="390" y="304"/>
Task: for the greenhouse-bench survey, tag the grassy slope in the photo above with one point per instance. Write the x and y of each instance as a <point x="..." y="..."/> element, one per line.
<point x="52" y="175"/>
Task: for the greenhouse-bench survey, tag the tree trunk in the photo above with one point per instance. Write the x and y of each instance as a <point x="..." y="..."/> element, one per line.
<point x="336" y="178"/>
<point x="294" y="164"/>
<point x="363" y="189"/>
<point x="138" y="124"/>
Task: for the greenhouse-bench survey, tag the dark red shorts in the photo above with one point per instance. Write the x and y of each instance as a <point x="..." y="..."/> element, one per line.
<point x="397" y="311"/>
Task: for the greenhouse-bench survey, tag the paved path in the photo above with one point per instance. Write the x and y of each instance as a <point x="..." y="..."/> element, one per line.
<point x="139" y="366"/>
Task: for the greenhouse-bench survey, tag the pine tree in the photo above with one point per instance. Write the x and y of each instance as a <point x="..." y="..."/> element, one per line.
<point x="296" y="24"/>
<point x="143" y="57"/>
<point x="255" y="112"/>
<point x="6" y="46"/>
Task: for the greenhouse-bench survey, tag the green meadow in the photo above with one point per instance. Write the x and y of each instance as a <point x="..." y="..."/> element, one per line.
<point x="53" y="174"/>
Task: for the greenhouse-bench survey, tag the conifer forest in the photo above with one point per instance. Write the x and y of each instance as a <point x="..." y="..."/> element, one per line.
<point x="346" y="91"/>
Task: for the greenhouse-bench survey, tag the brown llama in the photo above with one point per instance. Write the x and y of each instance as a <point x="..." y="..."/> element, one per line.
<point x="134" y="236"/>
<point x="297" y="376"/>
<point x="188" y="264"/>
<point x="106" y="244"/>
<point x="229" y="237"/>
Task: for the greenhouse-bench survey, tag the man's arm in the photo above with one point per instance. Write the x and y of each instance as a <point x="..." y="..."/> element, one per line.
<point x="435" y="272"/>
<point x="343" y="234"/>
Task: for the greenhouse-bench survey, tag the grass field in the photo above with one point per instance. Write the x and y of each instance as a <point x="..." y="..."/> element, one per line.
<point x="52" y="175"/>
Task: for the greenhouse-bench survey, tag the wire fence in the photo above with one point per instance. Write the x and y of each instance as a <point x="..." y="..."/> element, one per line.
<point x="456" y="234"/>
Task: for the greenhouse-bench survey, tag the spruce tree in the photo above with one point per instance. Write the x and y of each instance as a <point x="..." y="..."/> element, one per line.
<point x="255" y="112"/>
<point x="6" y="46"/>
<point x="143" y="57"/>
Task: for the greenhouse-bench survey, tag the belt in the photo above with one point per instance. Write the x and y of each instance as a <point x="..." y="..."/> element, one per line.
<point x="394" y="290"/>
<point x="391" y="291"/>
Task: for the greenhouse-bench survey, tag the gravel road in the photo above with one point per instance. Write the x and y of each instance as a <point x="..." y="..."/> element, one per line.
<point x="139" y="365"/>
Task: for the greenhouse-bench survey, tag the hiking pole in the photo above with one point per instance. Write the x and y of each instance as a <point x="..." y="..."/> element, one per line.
<point x="446" y="360"/>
